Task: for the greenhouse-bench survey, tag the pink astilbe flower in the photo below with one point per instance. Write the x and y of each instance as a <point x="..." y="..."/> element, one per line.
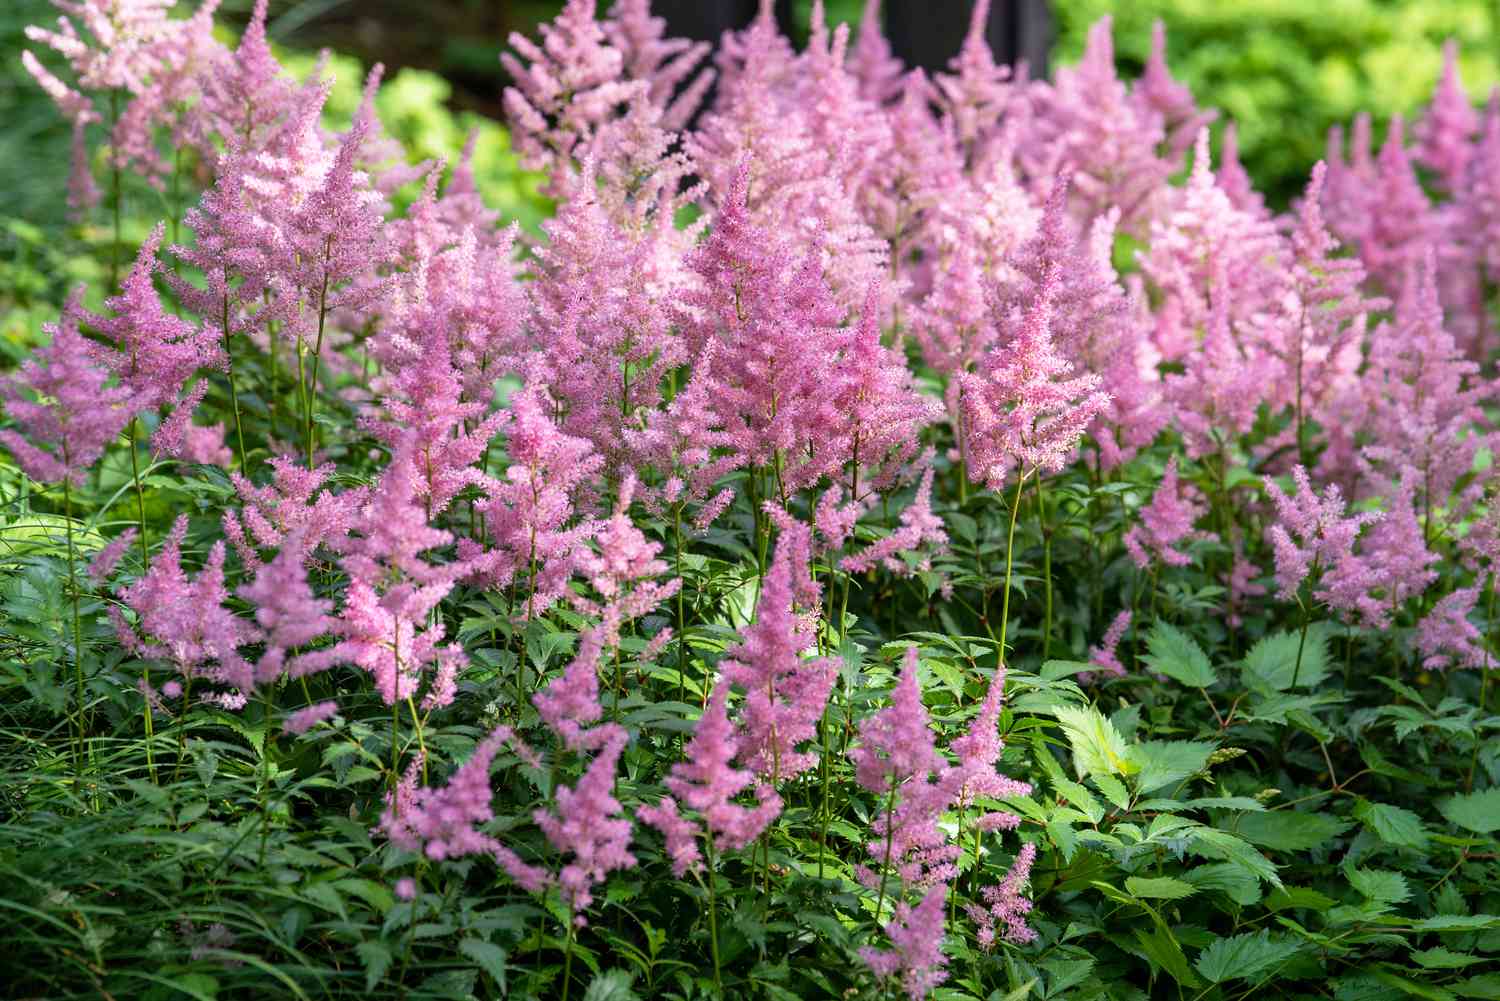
<point x="291" y="503"/>
<point x="183" y="56"/>
<point x="883" y="413"/>
<point x="1445" y="133"/>
<point x="1222" y="384"/>
<point x="870" y="60"/>
<point x="530" y="511"/>
<point x="601" y="322"/>
<point x="976" y="92"/>
<point x="571" y="701"/>
<point x="288" y="614"/>
<point x="919" y="526"/>
<point x="102" y="566"/>
<point x="1089" y="308"/>
<point x="687" y="442"/>
<point x="776" y="328"/>
<point x="1105" y="655"/>
<point x="897" y="754"/>
<point x="707" y="782"/>
<point x="589" y="825"/>
<point x="1316" y="328"/>
<point x="623" y="569"/>
<point x="1425" y="401"/>
<point x="1021" y="408"/>
<point x="1166" y="522"/>
<point x="246" y="96"/>
<point x="305" y="719"/>
<point x="1156" y="93"/>
<point x="154" y="353"/>
<point x="1006" y="905"/>
<point x="978" y="752"/>
<point x="785" y="694"/>
<point x="1445" y="636"/>
<point x="1204" y="243"/>
<point x="423" y="411"/>
<point x="182" y="620"/>
<point x="662" y="63"/>
<point x="1399" y="223"/>
<point x="83" y="192"/>
<point x="1232" y="177"/>
<point x="1239" y="585"/>
<point x="1310" y="532"/>
<point x="443" y="823"/>
<point x="773" y="157"/>
<point x="565" y="89"/>
<point x="916" y="954"/>
<point x="64" y="404"/>
<point x="385" y="624"/>
<point x="334" y="241"/>
<point x="1087" y="121"/>
<point x="1477" y="202"/>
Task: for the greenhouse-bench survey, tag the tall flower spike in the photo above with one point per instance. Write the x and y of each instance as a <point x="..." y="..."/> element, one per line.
<point x="785" y="695"/>
<point x="1445" y="133"/>
<point x="1310" y="531"/>
<point x="1007" y="907"/>
<point x="879" y="73"/>
<point x="155" y="352"/>
<point x="588" y="824"/>
<point x="1021" y="407"/>
<point x="916" y="955"/>
<point x="1166" y="522"/>
<point x="184" y="621"/>
<point x="65" y="408"/>
<point x="707" y="782"/>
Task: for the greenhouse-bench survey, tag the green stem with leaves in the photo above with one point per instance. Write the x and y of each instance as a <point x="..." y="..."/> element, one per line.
<point x="81" y="694"/>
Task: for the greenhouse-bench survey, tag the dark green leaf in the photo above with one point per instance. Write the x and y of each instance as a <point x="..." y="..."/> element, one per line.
<point x="1245" y="957"/>
<point x="1177" y="655"/>
<point x="1289" y="830"/>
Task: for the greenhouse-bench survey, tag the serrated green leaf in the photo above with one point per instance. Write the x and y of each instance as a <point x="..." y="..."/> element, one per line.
<point x="1295" y="897"/>
<point x="1078" y="797"/>
<point x="488" y="957"/>
<point x="1159" y="887"/>
<point x="377" y="959"/>
<point x="1408" y="986"/>
<point x="1164" y="950"/>
<point x="1244" y="957"/>
<point x="1162" y="762"/>
<point x="1443" y="959"/>
<point x="1098" y="748"/>
<point x="1218" y="844"/>
<point x="1486" y="986"/>
<point x="1391" y="824"/>
<point x="1114" y="790"/>
<point x="1174" y="653"/>
<point x="1232" y="880"/>
<point x="611" y="985"/>
<point x="1289" y="830"/>
<point x="1056" y="670"/>
<point x="1476" y="811"/>
<point x="1379" y="885"/>
<point x="1272" y="661"/>
<point x="1457" y="922"/>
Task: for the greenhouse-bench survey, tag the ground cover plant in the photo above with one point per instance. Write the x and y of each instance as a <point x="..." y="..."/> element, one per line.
<point x="884" y="536"/>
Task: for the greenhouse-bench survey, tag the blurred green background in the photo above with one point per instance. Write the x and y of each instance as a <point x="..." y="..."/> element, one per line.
<point x="1284" y="69"/>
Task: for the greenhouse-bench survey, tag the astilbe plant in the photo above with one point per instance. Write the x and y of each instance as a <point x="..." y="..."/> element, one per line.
<point x="481" y="477"/>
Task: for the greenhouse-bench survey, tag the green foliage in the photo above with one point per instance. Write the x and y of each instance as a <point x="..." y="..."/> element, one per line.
<point x="1286" y="70"/>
